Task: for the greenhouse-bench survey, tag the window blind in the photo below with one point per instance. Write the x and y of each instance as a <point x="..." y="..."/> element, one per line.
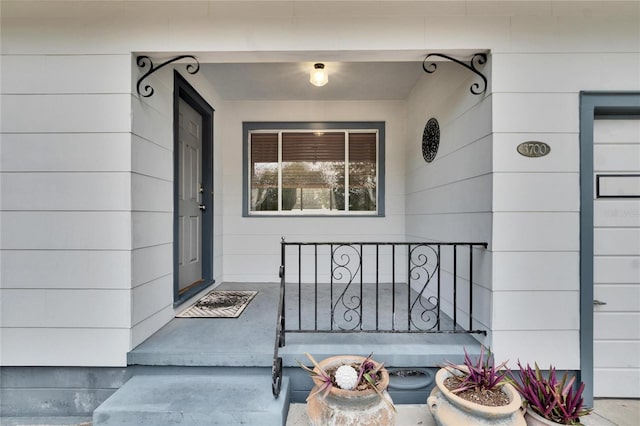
<point x="362" y="147"/>
<point x="264" y="148"/>
<point x="313" y="147"/>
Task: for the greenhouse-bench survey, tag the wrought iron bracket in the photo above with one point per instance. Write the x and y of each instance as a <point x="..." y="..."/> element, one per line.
<point x="145" y="62"/>
<point x="477" y="59"/>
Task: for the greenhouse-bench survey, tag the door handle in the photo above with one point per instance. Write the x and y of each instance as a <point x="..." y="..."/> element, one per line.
<point x="202" y="207"/>
<point x="598" y="302"/>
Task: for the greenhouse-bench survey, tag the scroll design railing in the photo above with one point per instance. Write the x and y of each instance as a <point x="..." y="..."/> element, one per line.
<point x="371" y="287"/>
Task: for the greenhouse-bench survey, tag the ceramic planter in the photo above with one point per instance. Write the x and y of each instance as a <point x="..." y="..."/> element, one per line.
<point x="347" y="407"/>
<point x="449" y="409"/>
<point x="534" y="419"/>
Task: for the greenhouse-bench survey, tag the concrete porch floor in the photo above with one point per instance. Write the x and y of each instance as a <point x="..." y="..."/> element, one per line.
<point x="248" y="341"/>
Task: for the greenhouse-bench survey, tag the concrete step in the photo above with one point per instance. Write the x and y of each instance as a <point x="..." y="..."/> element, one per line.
<point x="195" y="400"/>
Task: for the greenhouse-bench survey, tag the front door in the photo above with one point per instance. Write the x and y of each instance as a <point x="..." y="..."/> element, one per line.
<point x="616" y="262"/>
<point x="193" y="191"/>
<point x="190" y="189"/>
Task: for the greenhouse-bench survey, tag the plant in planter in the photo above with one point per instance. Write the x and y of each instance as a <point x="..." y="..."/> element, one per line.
<point x="349" y="390"/>
<point x="549" y="400"/>
<point x="475" y="393"/>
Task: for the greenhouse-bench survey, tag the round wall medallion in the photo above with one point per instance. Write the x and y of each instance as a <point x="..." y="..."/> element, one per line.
<point x="430" y="140"/>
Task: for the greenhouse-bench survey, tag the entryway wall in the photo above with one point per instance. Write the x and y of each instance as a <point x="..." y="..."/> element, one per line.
<point x="152" y="145"/>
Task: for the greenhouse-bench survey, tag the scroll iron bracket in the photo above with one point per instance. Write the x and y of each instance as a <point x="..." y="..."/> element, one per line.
<point x="477" y="59"/>
<point x="145" y="61"/>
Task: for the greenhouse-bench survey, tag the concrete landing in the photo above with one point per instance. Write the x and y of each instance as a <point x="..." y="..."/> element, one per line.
<point x="195" y="400"/>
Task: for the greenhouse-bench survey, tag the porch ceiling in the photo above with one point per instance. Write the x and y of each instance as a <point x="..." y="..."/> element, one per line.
<point x="284" y="75"/>
<point x="290" y="80"/>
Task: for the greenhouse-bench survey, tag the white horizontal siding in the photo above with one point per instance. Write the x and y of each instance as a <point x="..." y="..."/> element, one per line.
<point x="87" y="230"/>
<point x="616" y="212"/>
<point x="66" y="191"/>
<point x="536" y="204"/>
<point x="531" y="192"/>
<point x="66" y="201"/>
<point x="616" y="241"/>
<point x="575" y="31"/>
<point x="618" y="297"/>
<point x="65" y="152"/>
<point x="149" y="263"/>
<point x="613" y="132"/>
<point x="522" y="231"/>
<point x="63" y="74"/>
<point x="152" y="297"/>
<point x="553" y="112"/>
<point x="621" y="158"/>
<point x="542" y="271"/>
<point x="559" y="348"/>
<point x="620" y="354"/>
<point x="607" y="326"/>
<point x="616" y="269"/>
<point x="151" y="194"/>
<point x="142" y="330"/>
<point x="65" y="269"/>
<point x="64" y="346"/>
<point x="516" y="308"/>
<point x="608" y="380"/>
<point x="72" y="113"/>
<point x="472" y="161"/>
<point x="60" y="308"/>
<point x="459" y="197"/>
<point x="474" y="227"/>
<point x="564" y="73"/>
<point x="150" y="159"/>
<point x="151" y="229"/>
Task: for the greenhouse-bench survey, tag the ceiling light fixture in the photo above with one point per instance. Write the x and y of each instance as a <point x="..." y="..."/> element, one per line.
<point x="319" y="76"/>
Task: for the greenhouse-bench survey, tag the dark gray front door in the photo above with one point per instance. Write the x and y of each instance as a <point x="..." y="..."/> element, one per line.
<point x="190" y="190"/>
<point x="193" y="191"/>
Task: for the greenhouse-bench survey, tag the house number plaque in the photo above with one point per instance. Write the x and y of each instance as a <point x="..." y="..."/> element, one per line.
<point x="533" y="149"/>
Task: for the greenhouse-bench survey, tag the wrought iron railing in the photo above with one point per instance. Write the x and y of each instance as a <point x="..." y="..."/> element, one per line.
<point x="374" y="287"/>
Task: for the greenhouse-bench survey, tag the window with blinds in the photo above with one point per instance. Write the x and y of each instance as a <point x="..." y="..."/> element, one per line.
<point x="317" y="172"/>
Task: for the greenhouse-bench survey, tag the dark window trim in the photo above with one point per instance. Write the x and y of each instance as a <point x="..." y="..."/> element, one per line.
<point x="593" y="105"/>
<point x="248" y="126"/>
<point x="185" y="91"/>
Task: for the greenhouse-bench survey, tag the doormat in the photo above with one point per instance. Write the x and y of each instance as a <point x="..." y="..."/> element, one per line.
<point x="219" y="304"/>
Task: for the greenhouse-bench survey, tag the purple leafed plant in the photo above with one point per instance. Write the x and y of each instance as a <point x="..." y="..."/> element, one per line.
<point x="553" y="399"/>
<point x="481" y="374"/>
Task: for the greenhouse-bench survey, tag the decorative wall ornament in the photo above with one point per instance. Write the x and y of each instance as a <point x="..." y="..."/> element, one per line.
<point x="477" y="59"/>
<point x="430" y="140"/>
<point x="146" y="62"/>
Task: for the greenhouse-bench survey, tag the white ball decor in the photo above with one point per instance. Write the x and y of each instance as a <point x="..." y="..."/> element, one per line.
<point x="346" y="377"/>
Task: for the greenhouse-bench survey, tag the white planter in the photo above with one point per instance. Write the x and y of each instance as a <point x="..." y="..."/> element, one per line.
<point x="448" y="409"/>
<point x="534" y="419"/>
<point x="350" y="408"/>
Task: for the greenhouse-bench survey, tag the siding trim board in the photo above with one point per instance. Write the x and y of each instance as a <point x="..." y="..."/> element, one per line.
<point x="593" y="105"/>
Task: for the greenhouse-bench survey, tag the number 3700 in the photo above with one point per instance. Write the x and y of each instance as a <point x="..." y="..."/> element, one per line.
<point x="534" y="149"/>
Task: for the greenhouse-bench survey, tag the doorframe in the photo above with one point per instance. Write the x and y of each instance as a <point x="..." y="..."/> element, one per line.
<point x="593" y="105"/>
<point x="185" y="91"/>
